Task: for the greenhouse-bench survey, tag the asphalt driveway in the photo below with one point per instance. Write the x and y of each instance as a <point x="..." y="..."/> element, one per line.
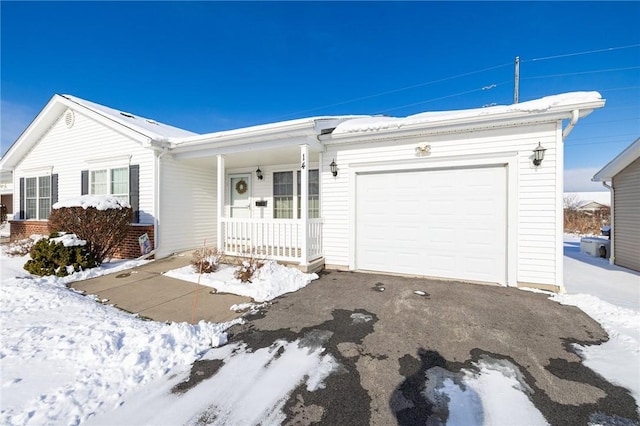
<point x="388" y="339"/>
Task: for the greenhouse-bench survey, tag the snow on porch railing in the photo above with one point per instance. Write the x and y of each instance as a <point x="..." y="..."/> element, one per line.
<point x="279" y="239"/>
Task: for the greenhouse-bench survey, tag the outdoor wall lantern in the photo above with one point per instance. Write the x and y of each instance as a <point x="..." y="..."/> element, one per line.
<point x="538" y="155"/>
<point x="334" y="168"/>
<point x="259" y="174"/>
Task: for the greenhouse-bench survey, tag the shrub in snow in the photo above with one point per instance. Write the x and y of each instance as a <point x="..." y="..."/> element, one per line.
<point x="101" y="221"/>
<point x="59" y="256"/>
<point x="206" y="260"/>
<point x="247" y="267"/>
<point x="19" y="247"/>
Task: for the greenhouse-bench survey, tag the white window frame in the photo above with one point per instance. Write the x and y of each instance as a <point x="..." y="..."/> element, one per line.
<point x="295" y="196"/>
<point x="38" y="198"/>
<point x="109" y="171"/>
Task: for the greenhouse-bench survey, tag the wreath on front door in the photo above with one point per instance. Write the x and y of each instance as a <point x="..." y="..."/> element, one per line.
<point x="241" y="187"/>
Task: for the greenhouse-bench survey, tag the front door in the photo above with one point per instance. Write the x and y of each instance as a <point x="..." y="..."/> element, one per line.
<point x="240" y="191"/>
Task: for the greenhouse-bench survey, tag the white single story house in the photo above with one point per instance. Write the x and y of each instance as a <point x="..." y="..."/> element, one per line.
<point x="622" y="177"/>
<point x="460" y="195"/>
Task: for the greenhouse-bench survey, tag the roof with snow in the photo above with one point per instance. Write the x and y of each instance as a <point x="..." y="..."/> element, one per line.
<point x="147" y="126"/>
<point x="562" y="102"/>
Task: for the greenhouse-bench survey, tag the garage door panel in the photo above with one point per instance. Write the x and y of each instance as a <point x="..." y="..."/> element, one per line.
<point x="447" y="223"/>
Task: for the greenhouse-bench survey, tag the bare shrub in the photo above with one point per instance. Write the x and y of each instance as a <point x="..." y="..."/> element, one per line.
<point x="577" y="221"/>
<point x="246" y="266"/>
<point x="206" y="260"/>
<point x="104" y="230"/>
<point x="20" y="246"/>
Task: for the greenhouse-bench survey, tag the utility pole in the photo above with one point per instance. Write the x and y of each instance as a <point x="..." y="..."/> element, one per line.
<point x="517" y="81"/>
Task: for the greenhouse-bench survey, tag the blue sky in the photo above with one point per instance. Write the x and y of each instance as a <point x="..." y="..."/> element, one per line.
<point x="208" y="66"/>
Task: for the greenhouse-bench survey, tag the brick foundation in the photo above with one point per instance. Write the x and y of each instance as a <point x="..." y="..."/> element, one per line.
<point x="129" y="249"/>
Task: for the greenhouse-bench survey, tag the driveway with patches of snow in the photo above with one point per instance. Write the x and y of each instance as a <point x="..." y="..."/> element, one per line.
<point x="401" y="350"/>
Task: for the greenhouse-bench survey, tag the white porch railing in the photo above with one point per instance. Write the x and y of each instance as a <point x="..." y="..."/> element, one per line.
<point x="279" y="239"/>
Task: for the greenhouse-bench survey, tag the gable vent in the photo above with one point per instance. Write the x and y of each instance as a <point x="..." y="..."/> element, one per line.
<point x="69" y="118"/>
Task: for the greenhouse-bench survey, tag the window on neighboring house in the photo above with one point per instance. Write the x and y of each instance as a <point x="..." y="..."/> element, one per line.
<point x="314" y="194"/>
<point x="37" y="197"/>
<point x="283" y="195"/>
<point x="110" y="182"/>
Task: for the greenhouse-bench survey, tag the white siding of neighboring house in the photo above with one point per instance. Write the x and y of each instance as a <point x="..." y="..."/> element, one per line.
<point x="539" y="191"/>
<point x="87" y="144"/>
<point x="187" y="206"/>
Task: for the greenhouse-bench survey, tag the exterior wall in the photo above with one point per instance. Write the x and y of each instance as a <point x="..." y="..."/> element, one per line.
<point x="626" y="231"/>
<point x="86" y="145"/>
<point x="260" y="190"/>
<point x="129" y="249"/>
<point x="187" y="206"/>
<point x="536" y="201"/>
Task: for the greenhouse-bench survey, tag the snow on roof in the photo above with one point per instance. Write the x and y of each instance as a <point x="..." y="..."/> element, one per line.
<point x="100" y="202"/>
<point x="582" y="198"/>
<point x="146" y="126"/>
<point x="374" y="124"/>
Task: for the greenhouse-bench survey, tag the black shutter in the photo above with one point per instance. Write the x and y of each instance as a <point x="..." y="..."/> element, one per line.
<point x="134" y="191"/>
<point x="54" y="189"/>
<point x="84" y="182"/>
<point x="21" y="213"/>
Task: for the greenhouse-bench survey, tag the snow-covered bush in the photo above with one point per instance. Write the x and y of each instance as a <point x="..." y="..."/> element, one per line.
<point x="206" y="260"/>
<point x="247" y="267"/>
<point x="60" y="256"/>
<point x="102" y="221"/>
<point x="19" y="247"/>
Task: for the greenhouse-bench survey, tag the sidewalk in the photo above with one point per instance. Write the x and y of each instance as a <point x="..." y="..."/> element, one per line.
<point x="146" y="291"/>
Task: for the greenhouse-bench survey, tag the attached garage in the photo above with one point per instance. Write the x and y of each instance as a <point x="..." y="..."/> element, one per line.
<point x="471" y="195"/>
<point x="447" y="223"/>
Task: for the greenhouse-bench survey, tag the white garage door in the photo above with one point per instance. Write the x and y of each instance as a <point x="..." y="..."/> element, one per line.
<point x="448" y="223"/>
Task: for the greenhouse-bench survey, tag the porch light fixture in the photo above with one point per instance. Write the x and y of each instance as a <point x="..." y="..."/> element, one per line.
<point x="259" y="174"/>
<point x="334" y="168"/>
<point x="538" y="155"/>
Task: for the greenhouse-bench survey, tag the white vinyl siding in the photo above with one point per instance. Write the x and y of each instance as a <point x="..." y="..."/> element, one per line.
<point x="538" y="192"/>
<point x="88" y="140"/>
<point x="187" y="206"/>
<point x="626" y="221"/>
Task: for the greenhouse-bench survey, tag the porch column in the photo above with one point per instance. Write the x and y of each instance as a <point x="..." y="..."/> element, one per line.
<point x="220" y="203"/>
<point x="304" y="203"/>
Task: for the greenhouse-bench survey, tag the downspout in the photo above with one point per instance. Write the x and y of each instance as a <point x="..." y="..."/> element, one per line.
<point x="156" y="218"/>
<point x="612" y="257"/>
<point x="575" y="115"/>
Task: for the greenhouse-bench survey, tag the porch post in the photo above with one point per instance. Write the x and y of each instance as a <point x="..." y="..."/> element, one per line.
<point x="304" y="203"/>
<point x="220" y="202"/>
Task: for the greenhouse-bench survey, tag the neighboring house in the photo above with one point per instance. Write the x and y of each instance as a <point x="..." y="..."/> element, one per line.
<point x="6" y="191"/>
<point x="622" y="177"/>
<point x="454" y="195"/>
<point x="592" y="207"/>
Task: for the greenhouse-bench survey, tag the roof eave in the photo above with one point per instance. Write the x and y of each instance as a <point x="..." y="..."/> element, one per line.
<point x="461" y="124"/>
<point x="622" y="160"/>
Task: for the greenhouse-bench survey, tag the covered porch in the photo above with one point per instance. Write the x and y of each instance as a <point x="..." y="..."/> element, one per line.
<point x="268" y="190"/>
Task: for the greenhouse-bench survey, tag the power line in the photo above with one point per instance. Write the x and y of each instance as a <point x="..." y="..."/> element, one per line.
<point x="606" y="137"/>
<point x="397" y="90"/>
<point x="609" y="49"/>
<point x="581" y="72"/>
<point x="621" y="141"/>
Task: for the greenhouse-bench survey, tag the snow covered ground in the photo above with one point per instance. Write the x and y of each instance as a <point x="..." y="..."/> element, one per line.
<point x="66" y="359"/>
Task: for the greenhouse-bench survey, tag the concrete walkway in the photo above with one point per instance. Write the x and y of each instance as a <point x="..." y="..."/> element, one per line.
<point x="146" y="291"/>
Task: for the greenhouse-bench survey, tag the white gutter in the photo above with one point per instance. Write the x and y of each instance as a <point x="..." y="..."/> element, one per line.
<point x="156" y="216"/>
<point x="612" y="252"/>
<point x="575" y="116"/>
